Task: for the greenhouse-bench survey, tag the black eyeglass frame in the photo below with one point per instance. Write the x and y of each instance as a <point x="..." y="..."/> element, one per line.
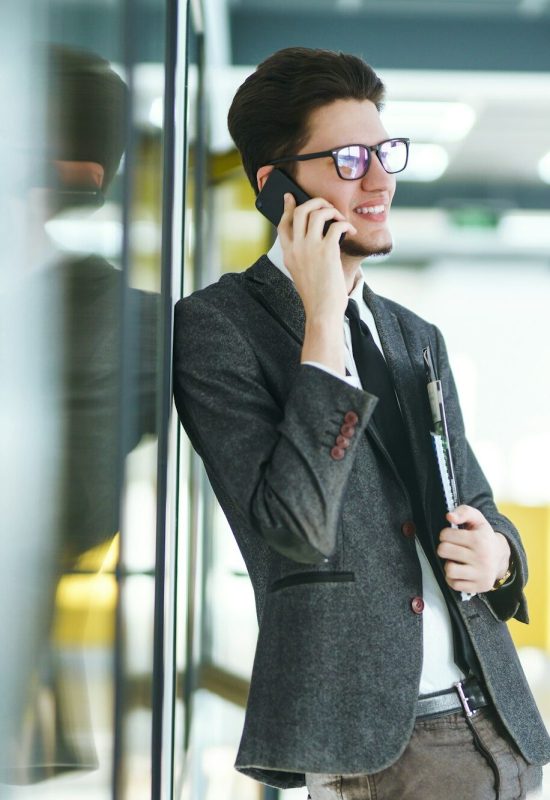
<point x="370" y="148"/>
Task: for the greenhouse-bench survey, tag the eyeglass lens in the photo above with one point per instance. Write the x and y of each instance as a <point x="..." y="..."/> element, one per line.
<point x="353" y="161"/>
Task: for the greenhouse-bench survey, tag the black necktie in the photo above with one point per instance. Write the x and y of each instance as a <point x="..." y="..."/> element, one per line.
<point x="375" y="378"/>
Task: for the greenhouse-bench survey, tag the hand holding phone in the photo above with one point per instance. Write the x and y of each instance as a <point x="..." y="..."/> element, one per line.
<point x="270" y="201"/>
<point x="315" y="264"/>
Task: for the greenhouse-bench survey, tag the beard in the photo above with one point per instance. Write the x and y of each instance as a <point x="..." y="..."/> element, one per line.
<point x="350" y="247"/>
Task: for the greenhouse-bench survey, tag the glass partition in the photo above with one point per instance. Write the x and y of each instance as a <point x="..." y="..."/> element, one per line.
<point x="85" y="303"/>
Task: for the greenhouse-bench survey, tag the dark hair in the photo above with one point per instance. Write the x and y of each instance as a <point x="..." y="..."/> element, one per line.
<point x="270" y="112"/>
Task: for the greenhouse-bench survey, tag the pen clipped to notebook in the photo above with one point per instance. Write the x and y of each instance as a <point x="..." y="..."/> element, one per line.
<point x="440" y="439"/>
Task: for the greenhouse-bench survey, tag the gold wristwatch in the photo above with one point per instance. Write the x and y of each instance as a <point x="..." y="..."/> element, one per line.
<point x="501" y="581"/>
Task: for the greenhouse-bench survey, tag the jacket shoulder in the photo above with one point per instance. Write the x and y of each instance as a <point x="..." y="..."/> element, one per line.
<point x="216" y="294"/>
<point x="226" y="295"/>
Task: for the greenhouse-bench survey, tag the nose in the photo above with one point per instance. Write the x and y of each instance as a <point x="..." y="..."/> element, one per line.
<point x="377" y="177"/>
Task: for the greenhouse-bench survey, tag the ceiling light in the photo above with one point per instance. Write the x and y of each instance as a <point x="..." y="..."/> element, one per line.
<point x="544" y="168"/>
<point x="427" y="162"/>
<point x="431" y="121"/>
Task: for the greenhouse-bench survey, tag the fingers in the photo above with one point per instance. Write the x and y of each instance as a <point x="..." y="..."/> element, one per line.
<point x="453" y="552"/>
<point x="463" y="539"/>
<point x="284" y="228"/>
<point x="306" y="214"/>
<point x="472" y="554"/>
<point x="337" y="229"/>
<point x="467" y="516"/>
<point x="473" y="582"/>
<point x="464" y="586"/>
<point x="318" y="219"/>
<point x="474" y="528"/>
<point x="459" y="572"/>
<point x="309" y="219"/>
<point x="293" y="223"/>
<point x="463" y="577"/>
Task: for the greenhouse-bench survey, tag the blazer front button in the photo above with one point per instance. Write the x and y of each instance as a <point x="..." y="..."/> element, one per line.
<point x="351" y="418"/>
<point x="408" y="529"/>
<point x="337" y="453"/>
<point x="417" y="605"/>
<point x="347" y="430"/>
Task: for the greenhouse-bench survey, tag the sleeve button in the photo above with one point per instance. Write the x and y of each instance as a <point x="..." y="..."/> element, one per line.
<point x="337" y="453"/>
<point x="351" y="418"/>
<point x="417" y="605"/>
<point x="342" y="441"/>
<point x="347" y="430"/>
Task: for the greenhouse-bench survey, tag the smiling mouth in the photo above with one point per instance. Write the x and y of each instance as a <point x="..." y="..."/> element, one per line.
<point x="370" y="210"/>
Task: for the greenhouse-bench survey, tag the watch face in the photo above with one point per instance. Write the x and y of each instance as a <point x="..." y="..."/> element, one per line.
<point x="501" y="581"/>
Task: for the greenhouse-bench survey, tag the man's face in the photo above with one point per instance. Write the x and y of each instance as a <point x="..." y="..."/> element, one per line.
<point x="335" y="125"/>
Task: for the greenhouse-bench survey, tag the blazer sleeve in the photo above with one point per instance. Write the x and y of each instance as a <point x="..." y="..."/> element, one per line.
<point x="474" y="490"/>
<point x="269" y="464"/>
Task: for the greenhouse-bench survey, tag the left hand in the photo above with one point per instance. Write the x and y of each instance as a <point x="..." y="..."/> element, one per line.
<point x="475" y="556"/>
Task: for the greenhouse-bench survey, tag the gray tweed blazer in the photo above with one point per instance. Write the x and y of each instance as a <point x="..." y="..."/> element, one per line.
<point x="339" y="654"/>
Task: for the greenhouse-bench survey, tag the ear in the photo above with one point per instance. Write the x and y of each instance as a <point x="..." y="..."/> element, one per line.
<point x="262" y="175"/>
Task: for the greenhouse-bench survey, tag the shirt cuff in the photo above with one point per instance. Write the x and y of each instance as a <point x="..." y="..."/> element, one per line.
<point x="352" y="380"/>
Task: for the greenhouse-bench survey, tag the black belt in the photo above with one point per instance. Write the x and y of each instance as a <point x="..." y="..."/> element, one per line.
<point x="465" y="696"/>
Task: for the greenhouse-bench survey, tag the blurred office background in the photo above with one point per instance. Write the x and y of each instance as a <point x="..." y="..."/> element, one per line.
<point x="127" y="620"/>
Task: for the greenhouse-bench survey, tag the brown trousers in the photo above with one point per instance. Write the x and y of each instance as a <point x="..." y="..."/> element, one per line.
<point x="446" y="759"/>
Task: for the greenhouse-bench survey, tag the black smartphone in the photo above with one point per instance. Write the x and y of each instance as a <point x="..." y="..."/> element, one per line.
<point x="270" y="201"/>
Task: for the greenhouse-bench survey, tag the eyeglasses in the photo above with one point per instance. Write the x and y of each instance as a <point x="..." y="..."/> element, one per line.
<point x="353" y="160"/>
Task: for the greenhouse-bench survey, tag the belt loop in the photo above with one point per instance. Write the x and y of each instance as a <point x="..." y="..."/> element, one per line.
<point x="463" y="699"/>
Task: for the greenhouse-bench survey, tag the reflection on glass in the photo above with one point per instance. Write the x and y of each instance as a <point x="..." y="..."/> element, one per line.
<point x="76" y="342"/>
<point x="212" y="775"/>
<point x="231" y="614"/>
<point x="64" y="323"/>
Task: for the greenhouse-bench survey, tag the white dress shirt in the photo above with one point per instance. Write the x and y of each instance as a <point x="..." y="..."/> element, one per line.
<point x="439" y="670"/>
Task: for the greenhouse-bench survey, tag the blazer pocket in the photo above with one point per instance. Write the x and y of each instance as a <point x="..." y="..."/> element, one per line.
<point x="298" y="578"/>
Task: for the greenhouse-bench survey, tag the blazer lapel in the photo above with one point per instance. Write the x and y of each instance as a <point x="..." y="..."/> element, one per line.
<point x="412" y="400"/>
<point x="278" y="295"/>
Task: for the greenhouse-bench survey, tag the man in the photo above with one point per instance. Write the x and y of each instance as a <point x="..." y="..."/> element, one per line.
<point x="330" y="487"/>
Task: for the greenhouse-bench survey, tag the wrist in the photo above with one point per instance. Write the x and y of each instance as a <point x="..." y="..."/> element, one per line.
<point x="505" y="561"/>
<point x="324" y="314"/>
<point x="324" y="343"/>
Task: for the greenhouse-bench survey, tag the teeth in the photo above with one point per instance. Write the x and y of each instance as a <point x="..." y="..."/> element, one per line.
<point x="370" y="210"/>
